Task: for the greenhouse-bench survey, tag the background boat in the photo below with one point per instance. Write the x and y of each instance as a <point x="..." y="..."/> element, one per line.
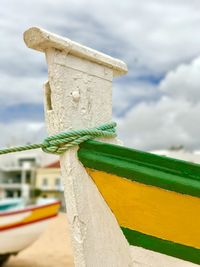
<point x="11" y="203"/>
<point x="20" y="228"/>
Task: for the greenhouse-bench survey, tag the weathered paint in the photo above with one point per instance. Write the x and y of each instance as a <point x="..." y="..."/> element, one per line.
<point x="79" y="84"/>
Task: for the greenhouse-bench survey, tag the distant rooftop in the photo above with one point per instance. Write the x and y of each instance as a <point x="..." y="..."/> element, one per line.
<point x="55" y="164"/>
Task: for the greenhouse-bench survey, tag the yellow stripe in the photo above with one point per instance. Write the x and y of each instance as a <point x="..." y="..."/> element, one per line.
<point x="42" y="213"/>
<point x="151" y="210"/>
<point x="37" y="214"/>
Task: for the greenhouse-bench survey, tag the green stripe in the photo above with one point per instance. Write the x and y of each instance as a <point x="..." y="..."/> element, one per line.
<point x="162" y="246"/>
<point x="171" y="174"/>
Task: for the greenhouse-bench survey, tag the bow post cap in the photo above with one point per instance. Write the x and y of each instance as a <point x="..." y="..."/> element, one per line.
<point x="40" y="39"/>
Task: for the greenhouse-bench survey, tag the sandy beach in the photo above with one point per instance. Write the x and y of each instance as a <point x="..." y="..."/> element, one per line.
<point x="51" y="249"/>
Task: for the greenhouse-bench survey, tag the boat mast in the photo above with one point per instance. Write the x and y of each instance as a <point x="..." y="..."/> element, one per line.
<point x="78" y="94"/>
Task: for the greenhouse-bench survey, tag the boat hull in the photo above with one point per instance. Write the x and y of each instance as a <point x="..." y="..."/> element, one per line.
<point x="10" y="204"/>
<point x="17" y="239"/>
<point x="19" y="229"/>
<point x="156" y="200"/>
<point x="153" y="218"/>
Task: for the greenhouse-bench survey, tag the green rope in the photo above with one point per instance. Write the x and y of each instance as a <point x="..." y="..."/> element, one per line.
<point x="61" y="142"/>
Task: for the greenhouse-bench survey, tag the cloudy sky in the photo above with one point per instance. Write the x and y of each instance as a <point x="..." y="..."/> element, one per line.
<point x="156" y="105"/>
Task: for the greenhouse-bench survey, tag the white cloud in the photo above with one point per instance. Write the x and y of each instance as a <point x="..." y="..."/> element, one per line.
<point x="184" y="82"/>
<point x="126" y="96"/>
<point x="27" y="90"/>
<point x="173" y="119"/>
<point x="21" y="132"/>
<point x="158" y="34"/>
<point x="153" y="37"/>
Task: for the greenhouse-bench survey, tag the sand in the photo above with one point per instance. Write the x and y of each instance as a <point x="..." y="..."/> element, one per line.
<point x="52" y="249"/>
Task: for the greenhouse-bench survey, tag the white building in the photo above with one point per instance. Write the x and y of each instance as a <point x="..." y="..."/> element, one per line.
<point x="18" y="170"/>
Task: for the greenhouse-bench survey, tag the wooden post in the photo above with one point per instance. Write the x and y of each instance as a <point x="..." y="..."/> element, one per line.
<point x="78" y="94"/>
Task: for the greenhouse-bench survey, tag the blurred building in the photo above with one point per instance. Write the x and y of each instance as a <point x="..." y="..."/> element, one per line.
<point x="48" y="182"/>
<point x="18" y="173"/>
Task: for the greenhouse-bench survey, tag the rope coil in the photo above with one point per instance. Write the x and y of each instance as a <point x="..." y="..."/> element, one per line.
<point x="61" y="142"/>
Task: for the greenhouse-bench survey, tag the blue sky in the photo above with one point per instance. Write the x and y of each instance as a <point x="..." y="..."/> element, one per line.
<point x="156" y="104"/>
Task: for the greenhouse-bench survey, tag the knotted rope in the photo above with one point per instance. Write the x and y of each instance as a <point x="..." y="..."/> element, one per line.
<point x="61" y="142"/>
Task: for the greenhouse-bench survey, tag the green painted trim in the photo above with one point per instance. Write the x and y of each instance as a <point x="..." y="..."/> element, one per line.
<point x="162" y="246"/>
<point x="167" y="173"/>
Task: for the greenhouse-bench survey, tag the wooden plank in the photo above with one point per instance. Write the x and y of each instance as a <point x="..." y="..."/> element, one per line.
<point x="79" y="85"/>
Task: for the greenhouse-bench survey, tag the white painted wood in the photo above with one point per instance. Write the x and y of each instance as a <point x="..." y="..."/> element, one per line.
<point x="40" y="39"/>
<point x="147" y="258"/>
<point x="78" y="94"/>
